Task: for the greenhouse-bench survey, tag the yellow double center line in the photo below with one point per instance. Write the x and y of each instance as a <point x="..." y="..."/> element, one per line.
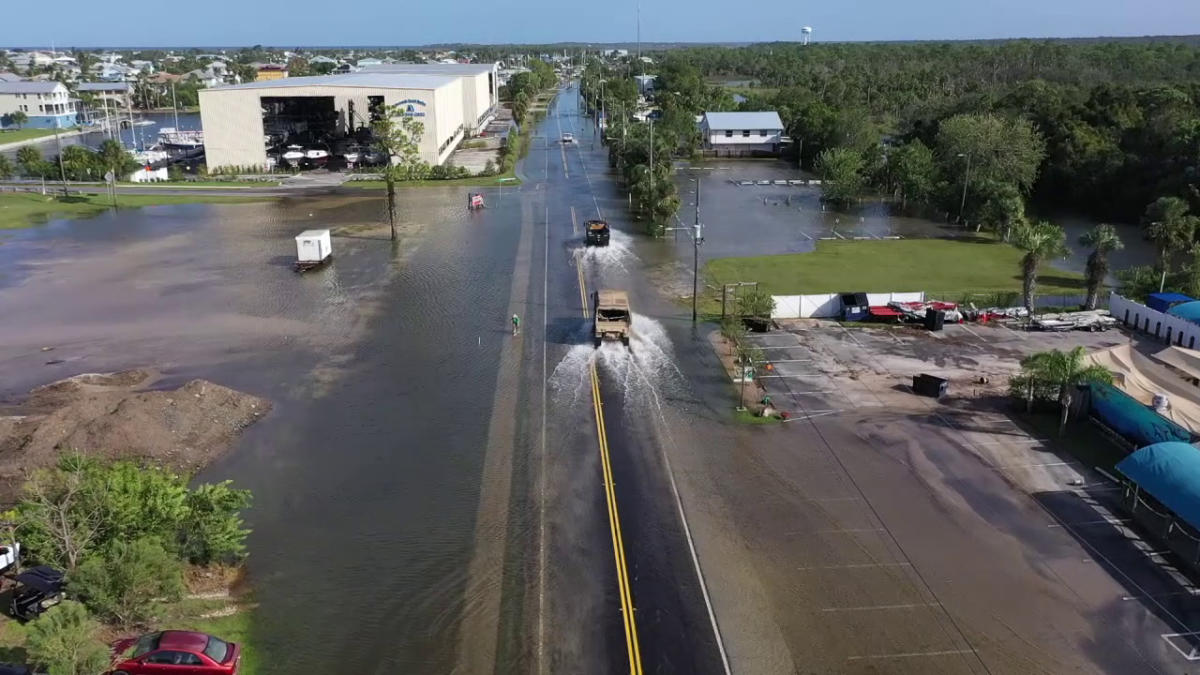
<point x="614" y="519"/>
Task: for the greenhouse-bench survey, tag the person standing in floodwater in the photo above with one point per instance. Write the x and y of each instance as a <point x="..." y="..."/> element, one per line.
<point x="516" y="322"/>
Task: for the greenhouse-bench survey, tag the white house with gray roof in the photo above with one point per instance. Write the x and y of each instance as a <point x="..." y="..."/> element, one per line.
<point x="46" y="105"/>
<point x="738" y="134"/>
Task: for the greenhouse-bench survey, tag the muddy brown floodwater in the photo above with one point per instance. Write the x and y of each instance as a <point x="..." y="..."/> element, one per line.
<point x="366" y="490"/>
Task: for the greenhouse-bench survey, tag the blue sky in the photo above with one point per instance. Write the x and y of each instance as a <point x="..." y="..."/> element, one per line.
<point x="321" y="22"/>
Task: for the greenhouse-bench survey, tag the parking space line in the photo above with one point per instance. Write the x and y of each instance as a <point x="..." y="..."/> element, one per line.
<point x="909" y="655"/>
<point x="868" y="608"/>
<point x="1005" y="467"/>
<point x="1085" y="523"/>
<point x="1190" y="656"/>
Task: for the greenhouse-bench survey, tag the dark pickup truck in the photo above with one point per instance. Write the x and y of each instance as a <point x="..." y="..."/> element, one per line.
<point x="597" y="233"/>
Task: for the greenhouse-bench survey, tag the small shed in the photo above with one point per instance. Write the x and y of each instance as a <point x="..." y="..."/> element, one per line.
<point x="1162" y="302"/>
<point x="313" y="246"/>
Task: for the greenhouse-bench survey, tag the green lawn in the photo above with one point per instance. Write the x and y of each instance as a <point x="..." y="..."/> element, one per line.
<point x="26" y="134"/>
<point x="23" y="209"/>
<point x="948" y="268"/>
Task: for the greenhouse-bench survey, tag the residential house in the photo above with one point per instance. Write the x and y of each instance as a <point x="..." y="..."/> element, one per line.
<point x="739" y="134"/>
<point x="206" y="78"/>
<point x="47" y="105"/>
<point x="116" y="94"/>
<point x="6" y="76"/>
<point x="270" y="71"/>
<point x="363" y="63"/>
<point x="143" y="66"/>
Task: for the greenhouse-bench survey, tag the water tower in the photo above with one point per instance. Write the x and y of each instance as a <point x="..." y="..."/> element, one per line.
<point x="805" y="34"/>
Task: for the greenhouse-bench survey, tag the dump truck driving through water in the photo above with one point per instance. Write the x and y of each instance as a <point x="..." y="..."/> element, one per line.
<point x="597" y="233"/>
<point x="612" y="319"/>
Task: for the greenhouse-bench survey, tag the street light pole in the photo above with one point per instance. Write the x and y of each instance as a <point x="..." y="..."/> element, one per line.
<point x="966" y="179"/>
<point x="696" y="239"/>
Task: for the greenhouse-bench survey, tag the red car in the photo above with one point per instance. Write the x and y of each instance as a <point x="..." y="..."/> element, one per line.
<point x="176" y="652"/>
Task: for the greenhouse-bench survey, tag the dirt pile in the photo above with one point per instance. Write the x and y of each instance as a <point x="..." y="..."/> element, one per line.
<point x="120" y="416"/>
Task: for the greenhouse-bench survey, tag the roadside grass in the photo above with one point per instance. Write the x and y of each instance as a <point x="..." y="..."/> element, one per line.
<point x="748" y="417"/>
<point x="942" y="267"/>
<point x="236" y="624"/>
<point x="24" y="209"/>
<point x="25" y="134"/>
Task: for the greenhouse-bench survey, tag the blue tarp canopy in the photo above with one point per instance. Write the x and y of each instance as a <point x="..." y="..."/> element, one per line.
<point x="1188" y="310"/>
<point x="1170" y="472"/>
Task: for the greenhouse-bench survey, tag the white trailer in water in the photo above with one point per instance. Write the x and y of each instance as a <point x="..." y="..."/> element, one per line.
<point x="313" y="248"/>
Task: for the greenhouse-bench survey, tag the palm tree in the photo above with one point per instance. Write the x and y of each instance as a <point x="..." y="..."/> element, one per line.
<point x="1041" y="241"/>
<point x="18" y="118"/>
<point x="1102" y="239"/>
<point x="1169" y="226"/>
<point x="1063" y="370"/>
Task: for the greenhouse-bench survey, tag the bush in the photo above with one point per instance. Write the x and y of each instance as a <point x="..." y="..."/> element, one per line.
<point x="489" y="169"/>
<point x="65" y="641"/>
<point x="125" y="581"/>
<point x="81" y="506"/>
<point x="174" y="172"/>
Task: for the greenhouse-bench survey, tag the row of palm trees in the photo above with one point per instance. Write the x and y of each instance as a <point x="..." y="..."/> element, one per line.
<point x="1043" y="241"/>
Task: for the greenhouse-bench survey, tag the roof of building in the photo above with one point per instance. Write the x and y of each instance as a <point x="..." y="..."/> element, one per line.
<point x="1170" y="472"/>
<point x="363" y="80"/>
<point x="1172" y="297"/>
<point x="102" y="86"/>
<point x="1187" y="310"/>
<point x="743" y="120"/>
<point x="431" y="68"/>
<point x="273" y="66"/>
<point x="47" y="87"/>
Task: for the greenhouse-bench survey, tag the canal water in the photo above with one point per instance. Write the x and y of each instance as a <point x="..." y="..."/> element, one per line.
<point x="140" y="136"/>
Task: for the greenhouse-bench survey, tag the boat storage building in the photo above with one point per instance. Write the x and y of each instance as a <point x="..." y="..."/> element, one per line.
<point x="480" y="86"/>
<point x="241" y="121"/>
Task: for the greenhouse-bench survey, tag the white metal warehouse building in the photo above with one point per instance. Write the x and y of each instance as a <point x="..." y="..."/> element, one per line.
<point x="232" y="117"/>
<point x="481" y="86"/>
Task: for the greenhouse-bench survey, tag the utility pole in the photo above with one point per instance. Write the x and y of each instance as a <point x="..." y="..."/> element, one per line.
<point x="966" y="179"/>
<point x="62" y="171"/>
<point x="696" y="239"/>
<point x="652" y="199"/>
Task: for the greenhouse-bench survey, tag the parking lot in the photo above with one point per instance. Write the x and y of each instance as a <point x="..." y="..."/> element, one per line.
<point x="917" y="536"/>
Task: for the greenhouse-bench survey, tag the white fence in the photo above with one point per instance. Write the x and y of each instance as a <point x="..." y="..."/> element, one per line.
<point x="1170" y="329"/>
<point x="829" y="305"/>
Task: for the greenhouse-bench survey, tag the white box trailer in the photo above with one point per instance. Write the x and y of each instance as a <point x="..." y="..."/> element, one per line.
<point x="313" y="248"/>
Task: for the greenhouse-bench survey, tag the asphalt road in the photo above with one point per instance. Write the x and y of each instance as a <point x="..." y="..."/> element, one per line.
<point x="608" y="490"/>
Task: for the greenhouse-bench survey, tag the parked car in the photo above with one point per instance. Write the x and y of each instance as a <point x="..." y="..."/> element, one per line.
<point x="38" y="589"/>
<point x="8" y="559"/>
<point x="9" y="669"/>
<point x="198" y="653"/>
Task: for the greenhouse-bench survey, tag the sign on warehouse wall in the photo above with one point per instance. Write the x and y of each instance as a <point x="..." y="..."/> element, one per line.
<point x="409" y="107"/>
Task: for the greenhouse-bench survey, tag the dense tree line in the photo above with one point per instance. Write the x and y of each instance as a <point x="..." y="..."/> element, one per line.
<point x="1118" y="122"/>
<point x="523" y="88"/>
<point x="641" y="153"/>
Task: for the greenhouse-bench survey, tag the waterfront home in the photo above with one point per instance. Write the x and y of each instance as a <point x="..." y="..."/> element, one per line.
<point x="115" y="93"/>
<point x="47" y="105"/>
<point x="740" y="134"/>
